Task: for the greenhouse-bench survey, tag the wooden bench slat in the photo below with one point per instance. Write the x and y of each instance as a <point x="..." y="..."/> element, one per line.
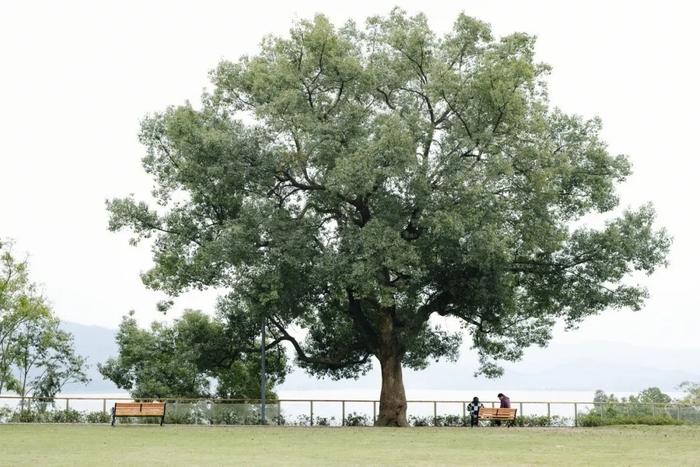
<point x="497" y="414"/>
<point x="127" y="411"/>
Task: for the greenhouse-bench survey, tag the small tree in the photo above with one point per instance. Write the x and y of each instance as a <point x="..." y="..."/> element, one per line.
<point x="45" y="361"/>
<point x="641" y="404"/>
<point x="36" y="357"/>
<point x="355" y="182"/>
<point x="182" y="359"/>
<point x="653" y="395"/>
<point x="691" y="393"/>
<point x="19" y="303"/>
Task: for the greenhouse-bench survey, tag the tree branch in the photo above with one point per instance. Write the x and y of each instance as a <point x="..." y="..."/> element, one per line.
<point x="325" y="361"/>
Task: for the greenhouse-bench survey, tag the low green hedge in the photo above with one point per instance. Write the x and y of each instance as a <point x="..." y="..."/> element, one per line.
<point x="543" y="420"/>
<point x="54" y="416"/>
<point x="455" y="420"/>
<point x="598" y="420"/>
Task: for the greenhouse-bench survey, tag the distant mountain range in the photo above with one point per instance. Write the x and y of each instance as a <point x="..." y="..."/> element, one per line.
<point x="97" y="344"/>
<point x="584" y="366"/>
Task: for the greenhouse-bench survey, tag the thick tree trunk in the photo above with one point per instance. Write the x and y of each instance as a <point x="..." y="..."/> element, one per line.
<point x="392" y="401"/>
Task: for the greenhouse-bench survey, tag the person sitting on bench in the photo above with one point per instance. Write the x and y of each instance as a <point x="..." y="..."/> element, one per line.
<point x="505" y="400"/>
<point x="505" y="404"/>
<point x="473" y="409"/>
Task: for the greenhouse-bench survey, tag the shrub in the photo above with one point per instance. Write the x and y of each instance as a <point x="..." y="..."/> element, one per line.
<point x="533" y="420"/>
<point x="177" y="414"/>
<point x="232" y="414"/>
<point x="98" y="417"/>
<point x="46" y="416"/>
<point x="324" y="421"/>
<point x="28" y="416"/>
<point x="415" y="420"/>
<point x="556" y="420"/>
<point x="356" y="419"/>
<point x="455" y="420"/>
<point x="65" y="416"/>
<point x="594" y="419"/>
<point x="224" y="417"/>
<point x="278" y="420"/>
<point x="5" y="414"/>
<point x="252" y="419"/>
<point x="302" y="420"/>
<point x="460" y="421"/>
<point x="440" y="420"/>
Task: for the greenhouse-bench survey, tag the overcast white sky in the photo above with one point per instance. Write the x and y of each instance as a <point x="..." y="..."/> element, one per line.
<point x="76" y="78"/>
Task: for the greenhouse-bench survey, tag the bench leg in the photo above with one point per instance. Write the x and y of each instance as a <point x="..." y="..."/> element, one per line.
<point x="162" y="419"/>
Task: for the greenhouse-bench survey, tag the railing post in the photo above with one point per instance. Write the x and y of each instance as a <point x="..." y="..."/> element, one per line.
<point x="653" y="409"/>
<point x="311" y="409"/>
<point x="104" y="406"/>
<point x="434" y="411"/>
<point x="342" y="420"/>
<point x="575" y="414"/>
<point x="464" y="409"/>
<point x="521" y="409"/>
<point x="678" y="407"/>
<point x="374" y="412"/>
<point x="549" y="411"/>
<point x="67" y="403"/>
<point x="279" y="412"/>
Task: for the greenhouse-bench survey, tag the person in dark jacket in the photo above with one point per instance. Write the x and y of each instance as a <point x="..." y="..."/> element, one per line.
<point x="505" y="400"/>
<point x="473" y="409"/>
<point x="505" y="404"/>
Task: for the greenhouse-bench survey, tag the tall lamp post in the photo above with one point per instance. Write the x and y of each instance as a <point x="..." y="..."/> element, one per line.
<point x="263" y="382"/>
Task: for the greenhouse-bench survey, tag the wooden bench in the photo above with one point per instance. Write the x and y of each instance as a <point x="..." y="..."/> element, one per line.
<point x="497" y="414"/>
<point x="139" y="409"/>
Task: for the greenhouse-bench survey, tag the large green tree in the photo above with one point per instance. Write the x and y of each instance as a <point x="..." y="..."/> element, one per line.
<point x="354" y="182"/>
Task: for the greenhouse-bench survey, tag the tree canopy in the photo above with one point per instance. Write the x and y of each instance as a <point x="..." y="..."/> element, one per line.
<point x="36" y="357"/>
<point x="691" y="393"/>
<point x="354" y="181"/>
<point x="194" y="357"/>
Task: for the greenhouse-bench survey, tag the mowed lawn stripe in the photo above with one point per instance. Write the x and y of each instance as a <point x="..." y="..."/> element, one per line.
<point x="199" y="445"/>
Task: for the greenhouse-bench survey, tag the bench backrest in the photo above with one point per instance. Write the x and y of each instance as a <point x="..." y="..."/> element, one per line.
<point x="142" y="409"/>
<point x="498" y="413"/>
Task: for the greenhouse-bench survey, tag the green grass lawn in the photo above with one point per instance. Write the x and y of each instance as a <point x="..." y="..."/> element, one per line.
<point x="193" y="445"/>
